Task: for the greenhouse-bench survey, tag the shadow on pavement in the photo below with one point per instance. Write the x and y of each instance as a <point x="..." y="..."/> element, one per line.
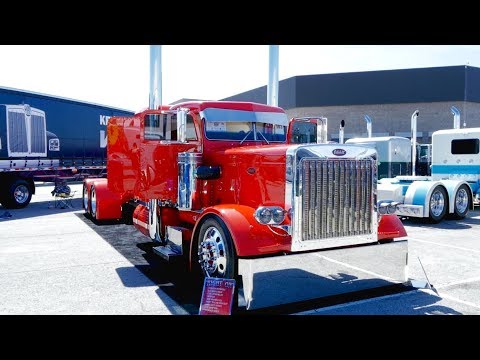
<point x="40" y="208"/>
<point x="172" y="280"/>
<point x="449" y="224"/>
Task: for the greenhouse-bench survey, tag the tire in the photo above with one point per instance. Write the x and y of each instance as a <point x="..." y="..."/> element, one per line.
<point x="85" y="198"/>
<point x="215" y="239"/>
<point x="462" y="202"/>
<point x="93" y="203"/>
<point x="438" y="204"/>
<point x="19" y="195"/>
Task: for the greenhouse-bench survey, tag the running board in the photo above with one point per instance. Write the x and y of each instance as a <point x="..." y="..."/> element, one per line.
<point x="167" y="252"/>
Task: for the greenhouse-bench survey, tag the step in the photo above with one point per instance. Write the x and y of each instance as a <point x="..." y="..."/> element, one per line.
<point x="167" y="252"/>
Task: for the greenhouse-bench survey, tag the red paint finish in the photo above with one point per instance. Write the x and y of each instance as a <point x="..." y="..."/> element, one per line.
<point x="232" y="105"/>
<point x="140" y="219"/>
<point x="250" y="237"/>
<point x="390" y="227"/>
<point x="109" y="203"/>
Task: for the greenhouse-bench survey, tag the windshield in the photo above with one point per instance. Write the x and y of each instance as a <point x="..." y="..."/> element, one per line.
<point x="244" y="131"/>
<point x="230" y="124"/>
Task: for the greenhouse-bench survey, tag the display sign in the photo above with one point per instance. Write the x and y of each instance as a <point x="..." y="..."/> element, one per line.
<point x="217" y="296"/>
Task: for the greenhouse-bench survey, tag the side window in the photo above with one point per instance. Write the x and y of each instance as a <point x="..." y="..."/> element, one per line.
<point x="161" y="127"/>
<point x="191" y="134"/>
<point x="465" y="146"/>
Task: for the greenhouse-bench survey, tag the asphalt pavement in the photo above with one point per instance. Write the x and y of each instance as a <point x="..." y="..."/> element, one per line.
<point x="57" y="261"/>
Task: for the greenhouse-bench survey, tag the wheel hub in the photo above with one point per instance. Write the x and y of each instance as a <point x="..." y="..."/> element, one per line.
<point x="211" y="253"/>
<point x="461" y="200"/>
<point x="437" y="203"/>
<point x="21" y="194"/>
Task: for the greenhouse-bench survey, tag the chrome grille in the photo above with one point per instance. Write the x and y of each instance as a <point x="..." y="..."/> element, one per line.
<point x="336" y="198"/>
<point x="17" y="132"/>
<point x="37" y="134"/>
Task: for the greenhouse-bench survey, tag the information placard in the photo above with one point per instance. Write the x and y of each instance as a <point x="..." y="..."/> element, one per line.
<point x="217" y="296"/>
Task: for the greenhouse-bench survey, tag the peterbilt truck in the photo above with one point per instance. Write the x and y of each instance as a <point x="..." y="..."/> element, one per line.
<point x="44" y="138"/>
<point x="218" y="184"/>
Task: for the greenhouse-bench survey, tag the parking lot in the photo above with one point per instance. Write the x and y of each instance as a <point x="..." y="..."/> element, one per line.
<point x="56" y="261"/>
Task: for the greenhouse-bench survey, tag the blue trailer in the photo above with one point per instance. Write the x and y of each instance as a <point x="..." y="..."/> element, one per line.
<point x="43" y="138"/>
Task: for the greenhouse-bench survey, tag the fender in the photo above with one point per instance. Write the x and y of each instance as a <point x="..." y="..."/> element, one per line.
<point x="452" y="188"/>
<point x="419" y="192"/>
<point x="249" y="237"/>
<point x="109" y="203"/>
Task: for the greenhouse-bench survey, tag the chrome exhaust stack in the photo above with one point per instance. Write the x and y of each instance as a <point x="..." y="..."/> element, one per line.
<point x="341" y="132"/>
<point x="456" y="117"/>
<point x="369" y="126"/>
<point x="414" y="139"/>
<point x="155" y="96"/>
<point x="272" y="88"/>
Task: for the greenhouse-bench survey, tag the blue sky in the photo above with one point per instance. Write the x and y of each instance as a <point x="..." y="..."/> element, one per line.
<point x="118" y="75"/>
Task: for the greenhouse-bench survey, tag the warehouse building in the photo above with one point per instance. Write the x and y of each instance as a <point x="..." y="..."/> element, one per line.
<point x="388" y="97"/>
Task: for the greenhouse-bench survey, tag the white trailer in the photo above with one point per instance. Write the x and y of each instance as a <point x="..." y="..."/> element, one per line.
<point x="449" y="191"/>
<point x="394" y="154"/>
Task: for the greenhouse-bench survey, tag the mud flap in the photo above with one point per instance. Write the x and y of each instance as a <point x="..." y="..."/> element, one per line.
<point x="279" y="280"/>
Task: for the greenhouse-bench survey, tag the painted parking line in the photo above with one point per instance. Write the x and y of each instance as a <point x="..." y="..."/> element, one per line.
<point x="354" y="267"/>
<point x="475" y="279"/>
<point x="445" y="245"/>
<point x="443" y="296"/>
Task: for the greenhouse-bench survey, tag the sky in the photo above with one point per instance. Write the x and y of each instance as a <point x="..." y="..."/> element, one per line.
<point x="118" y="75"/>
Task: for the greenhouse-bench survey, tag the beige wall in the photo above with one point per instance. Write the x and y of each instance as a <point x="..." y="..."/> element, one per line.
<point x="393" y="119"/>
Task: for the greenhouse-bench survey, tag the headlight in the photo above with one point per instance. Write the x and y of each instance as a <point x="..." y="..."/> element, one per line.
<point x="263" y="215"/>
<point x="278" y="215"/>
<point x="270" y="215"/>
<point x="391" y="208"/>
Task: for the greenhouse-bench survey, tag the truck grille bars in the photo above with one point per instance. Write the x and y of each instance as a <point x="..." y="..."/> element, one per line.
<point x="332" y="193"/>
<point x="336" y="198"/>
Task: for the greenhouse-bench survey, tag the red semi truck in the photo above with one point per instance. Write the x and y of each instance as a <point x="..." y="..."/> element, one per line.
<point x="220" y="184"/>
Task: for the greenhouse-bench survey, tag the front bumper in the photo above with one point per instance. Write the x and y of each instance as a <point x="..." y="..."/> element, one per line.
<point x="280" y="280"/>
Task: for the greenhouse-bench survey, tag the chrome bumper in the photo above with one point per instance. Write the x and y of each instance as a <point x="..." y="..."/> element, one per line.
<point x="286" y="279"/>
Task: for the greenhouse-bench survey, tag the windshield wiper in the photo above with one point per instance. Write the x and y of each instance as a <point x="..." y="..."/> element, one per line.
<point x="263" y="137"/>
<point x="248" y="133"/>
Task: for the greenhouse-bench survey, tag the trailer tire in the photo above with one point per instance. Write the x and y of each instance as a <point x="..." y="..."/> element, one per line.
<point x="438" y="204"/>
<point x="461" y="203"/>
<point x="214" y="251"/>
<point x="18" y="195"/>
<point x="93" y="203"/>
<point x="85" y="200"/>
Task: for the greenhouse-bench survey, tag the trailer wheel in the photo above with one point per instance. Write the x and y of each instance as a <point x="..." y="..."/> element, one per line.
<point x="438" y="204"/>
<point x="19" y="195"/>
<point x="85" y="198"/>
<point x="215" y="250"/>
<point x="460" y="209"/>
<point x="93" y="203"/>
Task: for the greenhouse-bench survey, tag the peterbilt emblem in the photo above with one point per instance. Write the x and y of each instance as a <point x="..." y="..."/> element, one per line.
<point x="339" y="152"/>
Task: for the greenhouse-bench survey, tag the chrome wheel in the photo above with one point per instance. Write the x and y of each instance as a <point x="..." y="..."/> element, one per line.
<point x="85" y="197"/>
<point x="461" y="200"/>
<point x="438" y="204"/>
<point x="212" y="253"/>
<point x="93" y="203"/>
<point x="21" y="194"/>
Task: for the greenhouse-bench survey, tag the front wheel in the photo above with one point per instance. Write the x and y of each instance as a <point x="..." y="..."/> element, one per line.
<point x="461" y="204"/>
<point x="438" y="204"/>
<point x="215" y="250"/>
